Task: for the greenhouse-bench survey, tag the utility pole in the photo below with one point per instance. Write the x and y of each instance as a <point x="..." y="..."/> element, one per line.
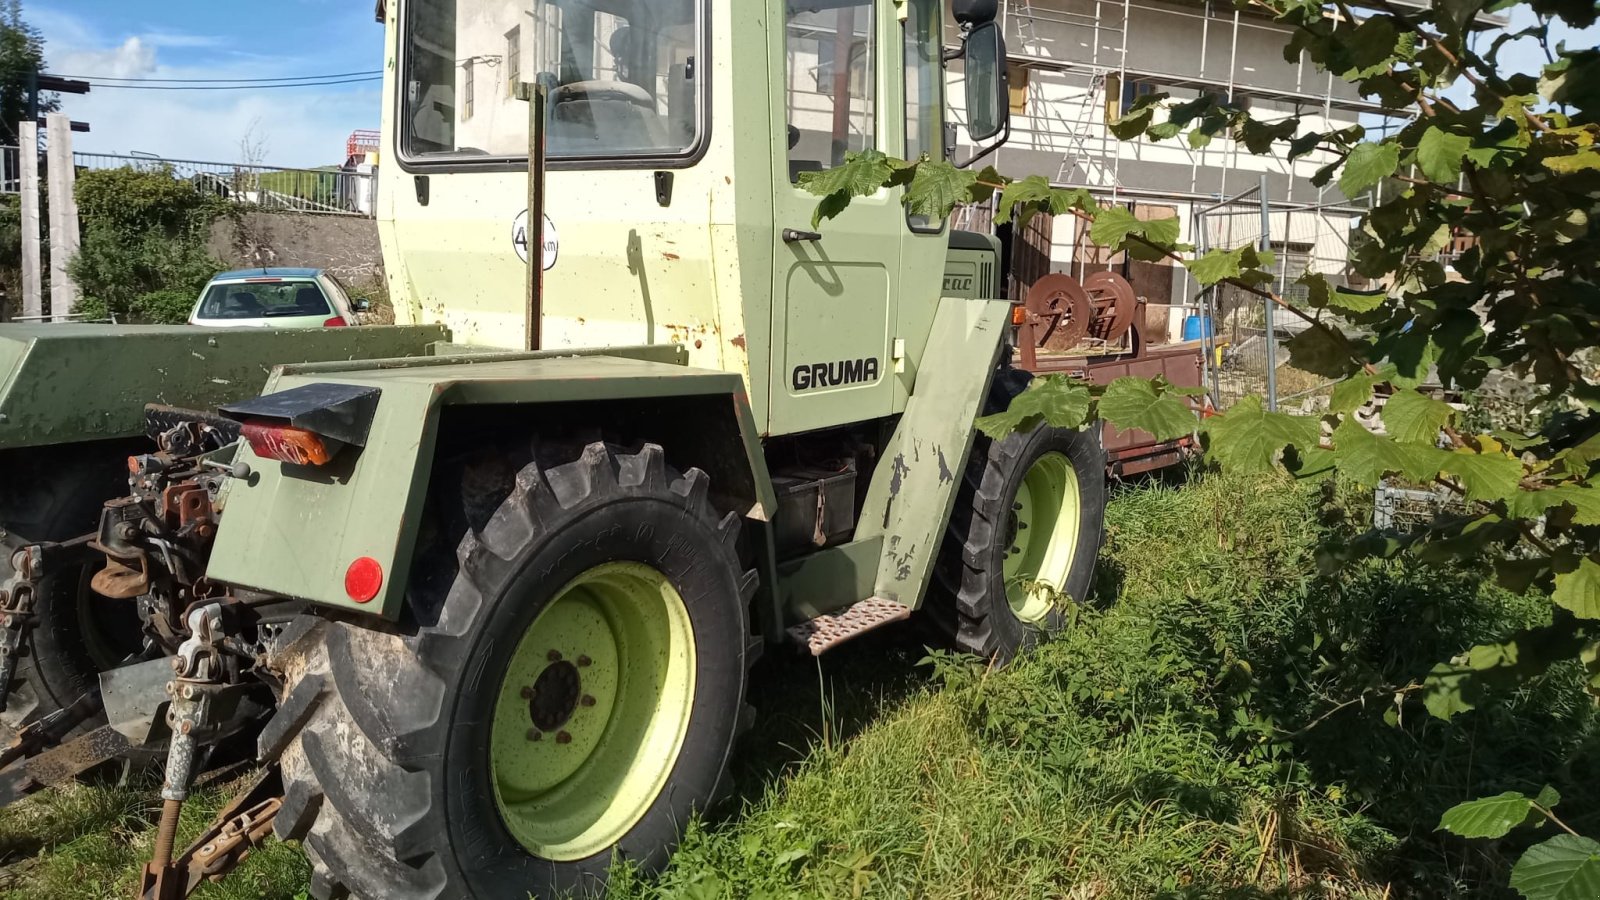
<point x="63" y="216"/>
<point x="32" y="274"/>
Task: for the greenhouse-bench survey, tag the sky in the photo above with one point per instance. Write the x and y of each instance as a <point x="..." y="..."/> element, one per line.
<point x="192" y="39"/>
<point x="307" y="126"/>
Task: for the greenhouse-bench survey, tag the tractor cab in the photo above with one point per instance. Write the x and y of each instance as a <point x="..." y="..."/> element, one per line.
<point x="675" y="136"/>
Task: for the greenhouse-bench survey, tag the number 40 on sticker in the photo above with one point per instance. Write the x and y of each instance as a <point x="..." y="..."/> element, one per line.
<point x="519" y="239"/>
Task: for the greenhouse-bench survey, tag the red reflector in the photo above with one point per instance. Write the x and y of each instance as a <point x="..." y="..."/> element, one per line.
<point x="1019" y="315"/>
<point x="335" y="322"/>
<point x="286" y="444"/>
<point x="363" y="579"/>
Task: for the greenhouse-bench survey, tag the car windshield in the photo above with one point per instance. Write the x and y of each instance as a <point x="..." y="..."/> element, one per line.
<point x="622" y="77"/>
<point x="264" y="300"/>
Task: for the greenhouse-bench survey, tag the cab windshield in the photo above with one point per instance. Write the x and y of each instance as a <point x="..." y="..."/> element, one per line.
<point x="623" y="77"/>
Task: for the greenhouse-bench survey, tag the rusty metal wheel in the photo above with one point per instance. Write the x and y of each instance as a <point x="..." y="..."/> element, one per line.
<point x="1115" y="304"/>
<point x="1064" y="309"/>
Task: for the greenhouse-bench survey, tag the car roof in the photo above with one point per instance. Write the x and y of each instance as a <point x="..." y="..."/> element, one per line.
<point x="241" y="274"/>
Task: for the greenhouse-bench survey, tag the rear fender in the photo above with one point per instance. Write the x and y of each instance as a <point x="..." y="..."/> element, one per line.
<point x="295" y="531"/>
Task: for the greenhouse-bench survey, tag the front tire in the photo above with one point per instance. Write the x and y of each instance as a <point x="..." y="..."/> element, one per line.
<point x="574" y="700"/>
<point x="1023" y="540"/>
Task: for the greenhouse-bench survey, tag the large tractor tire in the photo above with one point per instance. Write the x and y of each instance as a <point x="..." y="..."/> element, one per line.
<point x="77" y="633"/>
<point x="573" y="700"/>
<point x="1023" y="539"/>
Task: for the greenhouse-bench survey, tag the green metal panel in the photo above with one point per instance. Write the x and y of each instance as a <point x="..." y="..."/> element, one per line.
<point x="294" y="532"/>
<point x="827" y="581"/>
<point x="914" y="487"/>
<point x="67" y="383"/>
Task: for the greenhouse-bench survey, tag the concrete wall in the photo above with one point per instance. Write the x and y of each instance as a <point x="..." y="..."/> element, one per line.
<point x="345" y="245"/>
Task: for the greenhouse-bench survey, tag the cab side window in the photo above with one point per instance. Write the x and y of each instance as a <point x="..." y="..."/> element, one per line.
<point x="831" y="91"/>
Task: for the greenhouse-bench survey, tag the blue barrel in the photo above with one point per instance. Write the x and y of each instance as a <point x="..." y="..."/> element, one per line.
<point x="1196" y="327"/>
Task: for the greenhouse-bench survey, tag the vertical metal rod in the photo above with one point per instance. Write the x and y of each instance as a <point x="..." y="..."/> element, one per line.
<point x="536" y="167"/>
<point x="32" y="258"/>
<point x="1272" y="337"/>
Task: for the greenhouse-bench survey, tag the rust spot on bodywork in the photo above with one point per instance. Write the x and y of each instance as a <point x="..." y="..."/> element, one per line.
<point x="738" y="342"/>
<point x="671" y="257"/>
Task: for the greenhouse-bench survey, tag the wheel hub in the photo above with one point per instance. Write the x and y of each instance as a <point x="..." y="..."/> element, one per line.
<point x="555" y="696"/>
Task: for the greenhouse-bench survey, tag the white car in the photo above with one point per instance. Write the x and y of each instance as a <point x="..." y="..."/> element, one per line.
<point x="275" y="298"/>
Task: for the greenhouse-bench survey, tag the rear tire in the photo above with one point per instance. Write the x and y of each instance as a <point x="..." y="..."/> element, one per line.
<point x="1023" y="539"/>
<point x="78" y="634"/>
<point x="407" y="771"/>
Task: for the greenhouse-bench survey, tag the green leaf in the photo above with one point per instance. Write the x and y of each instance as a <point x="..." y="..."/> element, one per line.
<point x="1489" y="817"/>
<point x="1112" y="226"/>
<point x="939" y="187"/>
<point x="1215" y="266"/>
<point x="1030" y="191"/>
<point x="1351" y="394"/>
<point x="1578" y="591"/>
<point x="860" y="175"/>
<point x="1059" y="401"/>
<point x="1367" y="165"/>
<point x="1323" y="351"/>
<point x="1137" y="403"/>
<point x="1366" y="458"/>
<point x="1576" y="162"/>
<point x="1585" y="503"/>
<point x="1450" y="690"/>
<point x="1566" y="867"/>
<point x="1414" y="418"/>
<point x="1487" y="476"/>
<point x="1440" y="153"/>
<point x="1355" y="301"/>
<point x="1248" y="439"/>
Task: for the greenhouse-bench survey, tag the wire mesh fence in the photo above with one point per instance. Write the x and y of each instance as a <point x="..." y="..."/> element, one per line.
<point x="1245" y="346"/>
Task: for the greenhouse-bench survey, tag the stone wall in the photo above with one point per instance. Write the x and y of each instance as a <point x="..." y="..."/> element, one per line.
<point x="347" y="246"/>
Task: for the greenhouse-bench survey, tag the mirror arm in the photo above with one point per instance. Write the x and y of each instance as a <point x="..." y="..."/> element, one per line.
<point x="1001" y="142"/>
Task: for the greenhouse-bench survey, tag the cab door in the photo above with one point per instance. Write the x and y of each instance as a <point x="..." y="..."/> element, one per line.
<point x="834" y="296"/>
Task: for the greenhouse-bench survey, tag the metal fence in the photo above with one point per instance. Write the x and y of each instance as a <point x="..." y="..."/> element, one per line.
<point x="328" y="191"/>
<point x="1245" y="348"/>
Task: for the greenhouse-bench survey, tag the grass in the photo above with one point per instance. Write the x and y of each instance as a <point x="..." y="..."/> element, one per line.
<point x="1175" y="742"/>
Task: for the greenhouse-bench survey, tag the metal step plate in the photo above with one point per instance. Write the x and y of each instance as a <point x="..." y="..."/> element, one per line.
<point x="826" y="632"/>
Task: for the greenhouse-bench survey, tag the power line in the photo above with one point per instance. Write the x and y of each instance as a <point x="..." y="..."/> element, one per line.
<point x="231" y="87"/>
<point x="103" y="79"/>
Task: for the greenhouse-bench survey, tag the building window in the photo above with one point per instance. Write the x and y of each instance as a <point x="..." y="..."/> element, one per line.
<point x="832" y="107"/>
<point x="1132" y="91"/>
<point x="468" y="88"/>
<point x="513" y="60"/>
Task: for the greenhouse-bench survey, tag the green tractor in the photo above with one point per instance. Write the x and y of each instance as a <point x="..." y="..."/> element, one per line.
<point x="490" y="604"/>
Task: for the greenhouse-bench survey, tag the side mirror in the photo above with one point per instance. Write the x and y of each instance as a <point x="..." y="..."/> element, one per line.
<point x="971" y="13"/>
<point x="988" y="94"/>
<point x="360" y="306"/>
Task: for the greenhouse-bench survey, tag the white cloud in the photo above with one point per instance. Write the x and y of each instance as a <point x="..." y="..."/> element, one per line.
<point x="296" y="126"/>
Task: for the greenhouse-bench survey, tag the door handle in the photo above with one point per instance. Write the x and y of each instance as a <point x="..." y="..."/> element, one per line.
<point x="793" y="236"/>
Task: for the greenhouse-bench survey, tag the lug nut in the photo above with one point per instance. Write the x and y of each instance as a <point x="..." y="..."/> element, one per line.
<point x="584" y="662"/>
<point x="1016" y="507"/>
<point x="587" y="700"/>
<point x="535" y="734"/>
<point x="1022" y="526"/>
<point x="553" y="656"/>
<point x="563" y="738"/>
<point x="527" y="693"/>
